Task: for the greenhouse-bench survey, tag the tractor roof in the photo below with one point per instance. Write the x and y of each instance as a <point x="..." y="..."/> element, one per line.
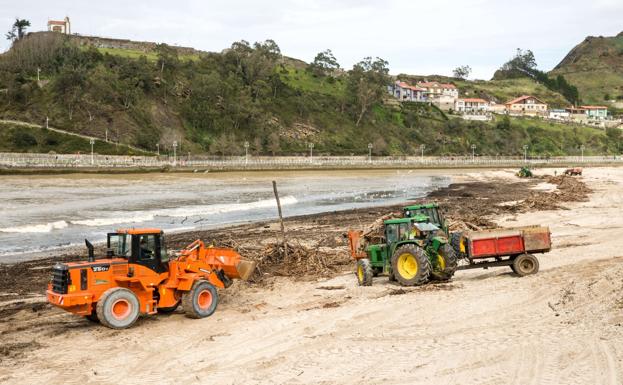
<point x="139" y="231"/>
<point x="398" y="221"/>
<point x="422" y="206"/>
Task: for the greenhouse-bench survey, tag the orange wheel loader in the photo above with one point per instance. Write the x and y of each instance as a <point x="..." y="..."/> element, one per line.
<point x="137" y="276"/>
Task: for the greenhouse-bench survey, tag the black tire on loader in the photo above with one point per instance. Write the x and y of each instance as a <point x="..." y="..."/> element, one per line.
<point x="201" y="300"/>
<point x="364" y="272"/>
<point x="445" y="265"/>
<point x="118" y="308"/>
<point x="526" y="264"/>
<point x="410" y="265"/>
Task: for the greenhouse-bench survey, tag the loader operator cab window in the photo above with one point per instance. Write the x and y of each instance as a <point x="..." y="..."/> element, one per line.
<point x="120" y="244"/>
<point x="147" y="247"/>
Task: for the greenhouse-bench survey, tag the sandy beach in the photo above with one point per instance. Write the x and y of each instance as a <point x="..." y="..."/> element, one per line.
<point x="306" y="321"/>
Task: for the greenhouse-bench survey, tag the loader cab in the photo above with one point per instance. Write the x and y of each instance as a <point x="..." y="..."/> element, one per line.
<point x="144" y="247"/>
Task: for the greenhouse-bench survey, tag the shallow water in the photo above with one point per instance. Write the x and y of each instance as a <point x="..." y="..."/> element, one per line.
<point x="42" y="213"/>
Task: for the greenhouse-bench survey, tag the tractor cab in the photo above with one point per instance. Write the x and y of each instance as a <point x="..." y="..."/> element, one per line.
<point x="144" y="247"/>
<point x="427" y="212"/>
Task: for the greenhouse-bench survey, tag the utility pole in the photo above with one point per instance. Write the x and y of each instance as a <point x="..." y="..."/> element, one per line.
<point x="38" y="72"/>
<point x="582" y="149"/>
<point x="525" y="152"/>
<point x="174" y="153"/>
<point x="92" y="141"/>
<point x="158" y="149"/>
<point x="246" y="153"/>
<point x="370" y="153"/>
<point x="311" y="153"/>
<point x="422" y="147"/>
<point x="473" y="152"/>
<point x="47" y="122"/>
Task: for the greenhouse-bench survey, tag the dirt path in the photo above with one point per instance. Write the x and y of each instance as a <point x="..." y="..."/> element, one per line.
<point x="564" y="325"/>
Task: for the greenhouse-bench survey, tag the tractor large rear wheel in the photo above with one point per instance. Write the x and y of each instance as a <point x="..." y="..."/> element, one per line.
<point x="364" y="272"/>
<point x="526" y="264"/>
<point x="118" y="308"/>
<point x="410" y="265"/>
<point x="444" y="263"/>
<point x="201" y="300"/>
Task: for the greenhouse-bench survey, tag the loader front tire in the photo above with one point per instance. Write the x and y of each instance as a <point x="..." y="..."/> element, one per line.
<point x="364" y="272"/>
<point x="445" y="263"/>
<point x="118" y="308"/>
<point x="201" y="300"/>
<point x="526" y="264"/>
<point x="410" y="265"/>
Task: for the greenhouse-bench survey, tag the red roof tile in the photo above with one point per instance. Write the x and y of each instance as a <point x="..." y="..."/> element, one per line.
<point x="474" y="100"/>
<point x="594" y="107"/>
<point x="524" y="97"/>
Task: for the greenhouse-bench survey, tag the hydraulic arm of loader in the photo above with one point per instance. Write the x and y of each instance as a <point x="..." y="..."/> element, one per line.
<point x="227" y="260"/>
<point x="357" y="249"/>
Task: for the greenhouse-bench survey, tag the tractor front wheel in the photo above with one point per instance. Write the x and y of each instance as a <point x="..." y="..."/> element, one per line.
<point x="118" y="308"/>
<point x="364" y="272"/>
<point x="201" y="300"/>
<point x="525" y="264"/>
<point x="444" y="263"/>
<point x="410" y="265"/>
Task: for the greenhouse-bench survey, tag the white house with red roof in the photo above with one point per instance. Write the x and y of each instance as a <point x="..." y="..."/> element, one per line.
<point x="596" y="112"/>
<point x="471" y="105"/>
<point x="406" y="92"/>
<point x="436" y="88"/>
<point x="526" y="105"/>
<point x="62" y="26"/>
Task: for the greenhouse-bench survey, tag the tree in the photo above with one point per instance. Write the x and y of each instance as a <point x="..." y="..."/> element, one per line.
<point x="367" y="84"/>
<point x="521" y="65"/>
<point x="462" y="72"/>
<point x="18" y="29"/>
<point x="324" y="64"/>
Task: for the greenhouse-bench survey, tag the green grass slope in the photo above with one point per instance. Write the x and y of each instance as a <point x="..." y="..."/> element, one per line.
<point x="595" y="67"/>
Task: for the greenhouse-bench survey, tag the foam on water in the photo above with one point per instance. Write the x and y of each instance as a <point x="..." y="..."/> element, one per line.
<point x="36" y="228"/>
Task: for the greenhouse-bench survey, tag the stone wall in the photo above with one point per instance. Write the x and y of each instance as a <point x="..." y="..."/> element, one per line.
<point x="105" y="42"/>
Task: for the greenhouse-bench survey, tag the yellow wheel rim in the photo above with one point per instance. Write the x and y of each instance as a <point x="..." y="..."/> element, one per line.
<point x="360" y="273"/>
<point x="407" y="266"/>
<point x="441" y="262"/>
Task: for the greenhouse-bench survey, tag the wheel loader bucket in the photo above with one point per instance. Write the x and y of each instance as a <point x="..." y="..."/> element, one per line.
<point x="245" y="269"/>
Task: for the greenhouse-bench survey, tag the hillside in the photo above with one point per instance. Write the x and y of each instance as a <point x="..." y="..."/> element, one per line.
<point x="212" y="103"/>
<point x="595" y="67"/>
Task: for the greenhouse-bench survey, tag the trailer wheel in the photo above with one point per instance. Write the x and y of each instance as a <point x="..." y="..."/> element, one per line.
<point x="444" y="264"/>
<point x="525" y="264"/>
<point x="410" y="265"/>
<point x="201" y="300"/>
<point x="118" y="308"/>
<point x="364" y="272"/>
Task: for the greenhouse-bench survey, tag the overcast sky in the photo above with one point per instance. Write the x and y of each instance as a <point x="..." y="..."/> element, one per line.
<point x="415" y="37"/>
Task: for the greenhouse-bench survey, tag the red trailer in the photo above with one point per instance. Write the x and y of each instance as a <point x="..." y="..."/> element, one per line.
<point x="512" y="247"/>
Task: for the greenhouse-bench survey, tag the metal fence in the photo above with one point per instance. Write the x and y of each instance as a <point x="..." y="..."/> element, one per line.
<point x="53" y="161"/>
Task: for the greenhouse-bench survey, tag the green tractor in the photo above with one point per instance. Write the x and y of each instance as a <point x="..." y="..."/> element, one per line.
<point x="415" y="250"/>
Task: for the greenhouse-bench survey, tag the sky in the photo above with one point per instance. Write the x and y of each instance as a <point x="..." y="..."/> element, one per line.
<point x="415" y="37"/>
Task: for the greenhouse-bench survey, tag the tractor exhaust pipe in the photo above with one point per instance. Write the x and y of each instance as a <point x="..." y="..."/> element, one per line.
<point x="90" y="248"/>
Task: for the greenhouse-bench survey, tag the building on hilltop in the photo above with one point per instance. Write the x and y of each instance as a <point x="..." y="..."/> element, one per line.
<point x="63" y="26"/>
<point x="443" y="95"/>
<point x="471" y="105"/>
<point x="406" y="93"/>
<point x="526" y="105"/>
<point x="596" y="112"/>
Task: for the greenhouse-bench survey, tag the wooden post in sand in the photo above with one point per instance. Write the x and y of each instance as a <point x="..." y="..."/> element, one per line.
<point x="283" y="230"/>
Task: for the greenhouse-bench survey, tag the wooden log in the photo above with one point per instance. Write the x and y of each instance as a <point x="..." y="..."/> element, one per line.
<point x="283" y="229"/>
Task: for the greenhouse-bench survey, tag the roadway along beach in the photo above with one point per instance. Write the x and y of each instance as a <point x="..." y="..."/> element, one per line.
<point x="307" y="321"/>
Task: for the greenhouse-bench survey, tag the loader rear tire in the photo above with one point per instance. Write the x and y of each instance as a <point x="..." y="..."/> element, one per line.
<point x="201" y="300"/>
<point x="445" y="264"/>
<point x="410" y="265"/>
<point x="364" y="272"/>
<point x="118" y="308"/>
<point x="526" y="264"/>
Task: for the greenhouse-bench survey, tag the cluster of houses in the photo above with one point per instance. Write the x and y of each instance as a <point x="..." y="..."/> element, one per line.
<point x="446" y="97"/>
